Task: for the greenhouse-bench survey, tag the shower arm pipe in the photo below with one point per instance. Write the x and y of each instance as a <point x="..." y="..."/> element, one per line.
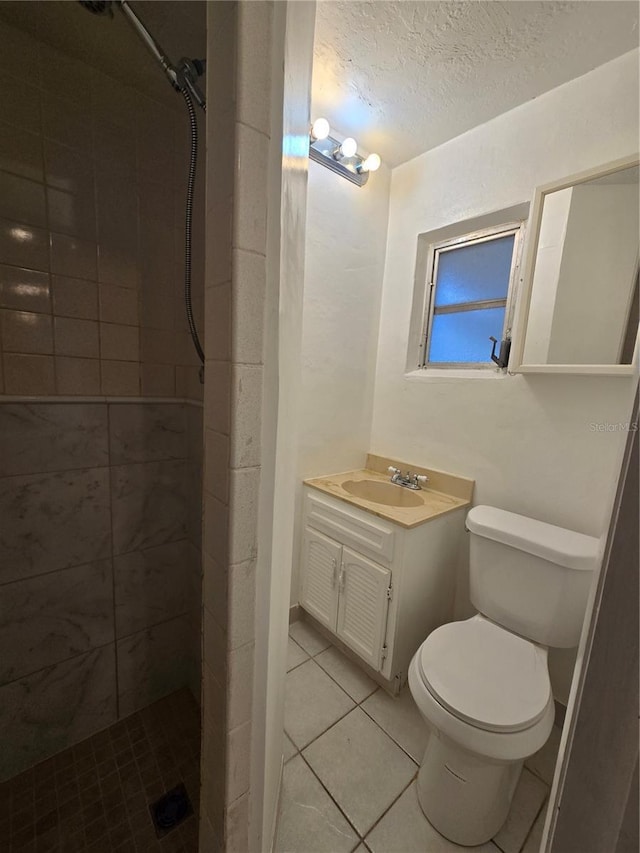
<point x="181" y="77"/>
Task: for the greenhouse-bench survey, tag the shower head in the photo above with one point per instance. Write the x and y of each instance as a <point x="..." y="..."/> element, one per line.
<point x="98" y="7"/>
<point x="183" y="76"/>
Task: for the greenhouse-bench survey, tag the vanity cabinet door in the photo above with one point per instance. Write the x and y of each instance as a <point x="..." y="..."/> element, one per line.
<point x="320" y="567"/>
<point x="363" y="606"/>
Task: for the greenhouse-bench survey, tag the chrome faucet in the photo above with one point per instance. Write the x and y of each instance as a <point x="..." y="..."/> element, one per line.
<point x="408" y="480"/>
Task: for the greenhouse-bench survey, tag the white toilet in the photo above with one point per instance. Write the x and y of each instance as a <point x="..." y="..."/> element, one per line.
<point x="482" y="685"/>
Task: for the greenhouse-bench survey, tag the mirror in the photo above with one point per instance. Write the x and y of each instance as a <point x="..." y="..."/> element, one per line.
<point x="579" y="305"/>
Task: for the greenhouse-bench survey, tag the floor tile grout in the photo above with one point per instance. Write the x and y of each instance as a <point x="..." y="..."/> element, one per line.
<point x="359" y="704"/>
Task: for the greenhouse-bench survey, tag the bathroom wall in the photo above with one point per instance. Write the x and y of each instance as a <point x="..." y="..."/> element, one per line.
<point x="344" y="265"/>
<point x="529" y="442"/>
<point x="238" y="132"/>
<point x="101" y="500"/>
<point x="92" y="189"/>
<point x="97" y="578"/>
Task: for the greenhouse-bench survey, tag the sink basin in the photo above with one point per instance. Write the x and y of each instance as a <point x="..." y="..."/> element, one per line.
<point x="387" y="494"/>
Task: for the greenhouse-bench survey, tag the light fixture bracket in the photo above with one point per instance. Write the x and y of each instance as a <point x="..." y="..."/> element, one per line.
<point x="323" y="151"/>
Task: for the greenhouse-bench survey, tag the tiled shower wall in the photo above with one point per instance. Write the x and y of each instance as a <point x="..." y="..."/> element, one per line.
<point x="99" y="567"/>
<point x="92" y="190"/>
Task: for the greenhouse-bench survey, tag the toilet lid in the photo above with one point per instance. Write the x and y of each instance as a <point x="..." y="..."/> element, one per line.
<point x="485" y="675"/>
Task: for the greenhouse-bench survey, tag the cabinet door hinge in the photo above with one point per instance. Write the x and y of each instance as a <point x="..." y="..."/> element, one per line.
<point x="385" y="650"/>
<point x="390" y="592"/>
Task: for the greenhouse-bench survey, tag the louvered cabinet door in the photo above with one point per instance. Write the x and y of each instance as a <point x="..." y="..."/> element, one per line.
<point x="320" y="568"/>
<point x="362" y="611"/>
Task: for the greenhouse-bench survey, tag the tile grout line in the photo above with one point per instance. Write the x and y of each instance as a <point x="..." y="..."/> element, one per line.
<point x="358" y="704"/>
<point x="112" y="560"/>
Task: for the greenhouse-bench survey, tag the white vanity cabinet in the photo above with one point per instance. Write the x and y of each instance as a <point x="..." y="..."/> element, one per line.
<point x="380" y="588"/>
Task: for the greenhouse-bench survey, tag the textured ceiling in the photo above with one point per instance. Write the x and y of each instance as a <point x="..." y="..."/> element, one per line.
<point x="403" y="77"/>
<point x="109" y="43"/>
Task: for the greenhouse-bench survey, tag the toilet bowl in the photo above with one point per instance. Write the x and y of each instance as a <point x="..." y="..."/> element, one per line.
<point x="486" y="698"/>
<point x="482" y="685"/>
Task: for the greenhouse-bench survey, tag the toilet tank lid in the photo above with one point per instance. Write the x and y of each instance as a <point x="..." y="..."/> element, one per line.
<point x="556" y="544"/>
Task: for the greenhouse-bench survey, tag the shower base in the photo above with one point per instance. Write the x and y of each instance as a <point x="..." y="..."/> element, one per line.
<point x="95" y="796"/>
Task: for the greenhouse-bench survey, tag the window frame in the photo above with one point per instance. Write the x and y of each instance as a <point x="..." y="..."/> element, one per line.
<point x="483" y="235"/>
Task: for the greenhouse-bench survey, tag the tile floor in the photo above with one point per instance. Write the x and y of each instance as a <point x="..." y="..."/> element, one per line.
<point x="352" y="753"/>
<point x="95" y="796"/>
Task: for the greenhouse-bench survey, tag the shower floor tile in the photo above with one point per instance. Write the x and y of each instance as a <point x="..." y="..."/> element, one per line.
<point x="95" y="796"/>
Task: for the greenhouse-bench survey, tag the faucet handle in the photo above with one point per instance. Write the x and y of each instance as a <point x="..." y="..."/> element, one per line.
<point x="393" y="470"/>
<point x="422" y="478"/>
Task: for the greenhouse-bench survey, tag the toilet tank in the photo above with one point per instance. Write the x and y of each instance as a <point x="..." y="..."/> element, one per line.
<point x="530" y="577"/>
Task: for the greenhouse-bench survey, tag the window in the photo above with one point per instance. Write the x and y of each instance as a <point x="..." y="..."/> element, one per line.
<point x="469" y="296"/>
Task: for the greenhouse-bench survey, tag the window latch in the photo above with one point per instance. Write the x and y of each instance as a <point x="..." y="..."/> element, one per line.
<point x="502" y="360"/>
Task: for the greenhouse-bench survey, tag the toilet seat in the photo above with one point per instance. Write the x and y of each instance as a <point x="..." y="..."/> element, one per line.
<point x="486" y="676"/>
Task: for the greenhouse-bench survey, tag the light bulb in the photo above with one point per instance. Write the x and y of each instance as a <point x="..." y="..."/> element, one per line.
<point x="320" y="128"/>
<point x="371" y="164"/>
<point x="349" y="147"/>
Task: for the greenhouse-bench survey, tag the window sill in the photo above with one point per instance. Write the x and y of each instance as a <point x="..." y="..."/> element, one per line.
<point x="454" y="373"/>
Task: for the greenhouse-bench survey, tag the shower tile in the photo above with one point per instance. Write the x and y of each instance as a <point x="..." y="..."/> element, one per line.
<point x="146" y="432"/>
<point x="56" y="707"/>
<point x="117" y="207"/>
<point x="20" y="104"/>
<point x="217" y="465"/>
<point x="119" y="343"/>
<point x="19" y="50"/>
<point x="118" y="305"/>
<point x="253" y="57"/>
<point x="74" y="297"/>
<point x="64" y="74"/>
<point x="148" y="504"/>
<point x="246" y="402"/>
<point x="72" y="213"/>
<point x="72" y="256"/>
<point x="41" y="437"/>
<point x="113" y="143"/>
<point x="24" y="331"/>
<point x="250" y="213"/>
<point x="157" y="380"/>
<point x="53" y="617"/>
<point x="218" y="321"/>
<point x="22" y="200"/>
<point x="117" y="266"/>
<point x="120" y="378"/>
<point x="28" y="374"/>
<point x="243" y="516"/>
<point x="67" y="122"/>
<point x="241" y="606"/>
<point x="151" y="663"/>
<point x="157" y="345"/>
<point x="53" y="521"/>
<point x="248" y="303"/>
<point x="23" y="245"/>
<point x="78" y="376"/>
<point x="68" y="170"/>
<point x="21" y="153"/>
<point x="77" y="338"/>
<point x="24" y="290"/>
<point x="150" y="587"/>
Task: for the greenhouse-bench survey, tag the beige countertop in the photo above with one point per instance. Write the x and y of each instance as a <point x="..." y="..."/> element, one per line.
<point x="443" y="493"/>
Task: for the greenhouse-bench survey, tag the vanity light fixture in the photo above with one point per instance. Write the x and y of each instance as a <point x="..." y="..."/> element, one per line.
<point x="340" y="157"/>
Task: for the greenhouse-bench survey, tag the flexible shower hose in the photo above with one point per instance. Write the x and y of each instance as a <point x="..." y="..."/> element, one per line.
<point x="193" y="124"/>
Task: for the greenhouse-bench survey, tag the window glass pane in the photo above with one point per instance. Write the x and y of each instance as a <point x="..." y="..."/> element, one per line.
<point x="480" y="271"/>
<point x="464" y="335"/>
